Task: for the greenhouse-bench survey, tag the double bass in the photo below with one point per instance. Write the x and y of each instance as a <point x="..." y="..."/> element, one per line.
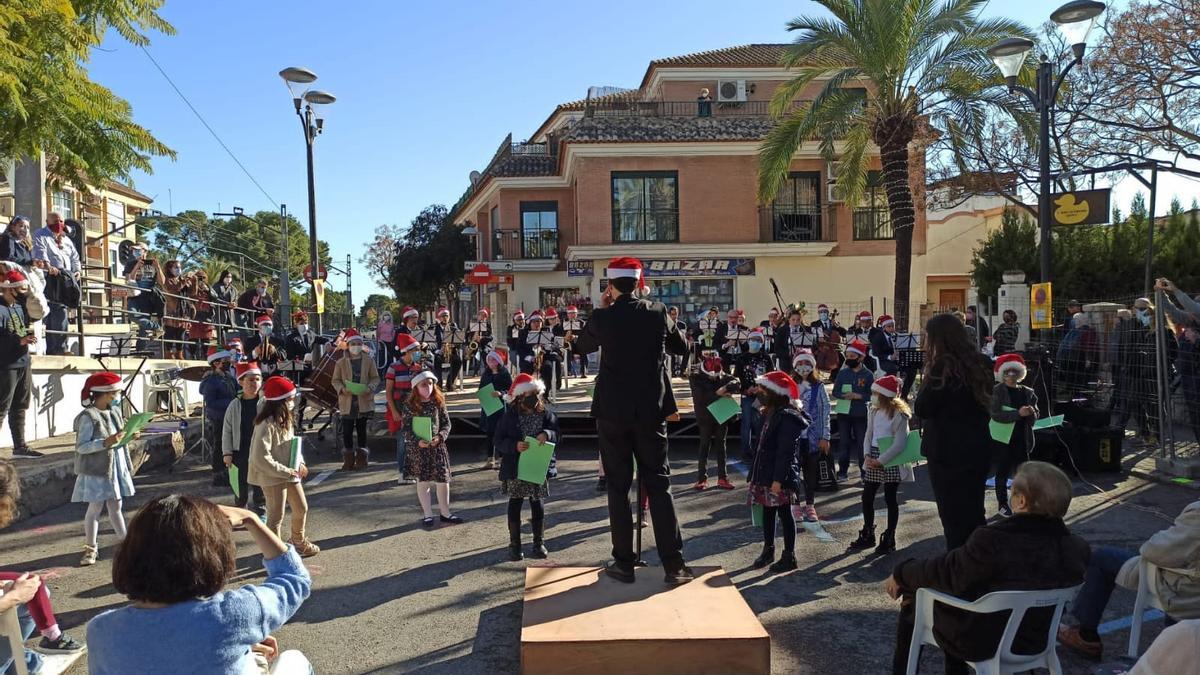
<point x="829" y="347"/>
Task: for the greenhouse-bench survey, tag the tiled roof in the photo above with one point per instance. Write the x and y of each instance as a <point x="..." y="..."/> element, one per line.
<point x="629" y="95"/>
<point x="761" y="55"/>
<point x="667" y="129"/>
<point x="525" y="165"/>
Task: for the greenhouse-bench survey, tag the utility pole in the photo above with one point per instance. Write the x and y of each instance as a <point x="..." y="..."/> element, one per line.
<point x="285" y="277"/>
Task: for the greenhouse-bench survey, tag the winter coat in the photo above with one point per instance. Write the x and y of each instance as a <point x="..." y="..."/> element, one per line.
<point x="91" y="457"/>
<point x="502" y="381"/>
<point x="704" y="392"/>
<point x="1001" y="399"/>
<point x="508" y="434"/>
<point x="218" y="389"/>
<point x="776" y="457"/>
<point x="270" y="452"/>
<point x="368" y="376"/>
<point x="954" y="426"/>
<point x="1177" y="551"/>
<point x="899" y="441"/>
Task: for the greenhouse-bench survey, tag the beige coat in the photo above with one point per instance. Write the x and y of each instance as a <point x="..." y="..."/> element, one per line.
<point x="270" y="451"/>
<point x="368" y="376"/>
<point x="1176" y="550"/>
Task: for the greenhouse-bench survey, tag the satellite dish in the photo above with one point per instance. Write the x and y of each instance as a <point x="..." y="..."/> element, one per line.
<point x="475" y="176"/>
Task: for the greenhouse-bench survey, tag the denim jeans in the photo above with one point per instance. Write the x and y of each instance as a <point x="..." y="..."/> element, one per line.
<point x="33" y="660"/>
<point x="749" y="428"/>
<point x="401" y="453"/>
<point x="1098" y="583"/>
<point x="56" y="320"/>
<point x="851" y="431"/>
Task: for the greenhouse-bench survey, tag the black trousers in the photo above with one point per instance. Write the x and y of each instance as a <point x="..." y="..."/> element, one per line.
<point x="455" y="366"/>
<point x="16" y="385"/>
<point x="909" y="375"/>
<point x="349" y="425"/>
<point x="212" y="427"/>
<point x="959" y="493"/>
<point x="904" y="636"/>
<point x="621" y="444"/>
<point x="712" y="440"/>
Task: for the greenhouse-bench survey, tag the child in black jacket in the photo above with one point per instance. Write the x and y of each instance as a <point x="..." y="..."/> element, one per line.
<point x="775" y="471"/>
<point x="709" y="382"/>
<point x="525" y="416"/>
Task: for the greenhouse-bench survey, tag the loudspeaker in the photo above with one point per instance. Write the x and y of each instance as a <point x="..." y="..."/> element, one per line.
<point x="1098" y="449"/>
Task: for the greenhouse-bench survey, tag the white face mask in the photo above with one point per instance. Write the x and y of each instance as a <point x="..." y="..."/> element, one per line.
<point x="425" y="389"/>
<point x="302" y="328"/>
<point x="355" y="350"/>
<point x="804" y="370"/>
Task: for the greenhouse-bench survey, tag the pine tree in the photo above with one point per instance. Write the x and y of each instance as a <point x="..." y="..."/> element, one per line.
<point x="1013" y="246"/>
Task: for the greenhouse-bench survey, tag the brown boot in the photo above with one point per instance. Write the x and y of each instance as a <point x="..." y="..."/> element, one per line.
<point x="360" y="458"/>
<point x="305" y="547"/>
<point x="347" y="460"/>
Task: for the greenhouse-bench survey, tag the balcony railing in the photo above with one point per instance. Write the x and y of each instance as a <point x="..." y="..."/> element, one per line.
<point x="872" y="224"/>
<point x="675" y="109"/>
<point x="645" y="225"/>
<point x="525" y="245"/>
<point x="797" y="223"/>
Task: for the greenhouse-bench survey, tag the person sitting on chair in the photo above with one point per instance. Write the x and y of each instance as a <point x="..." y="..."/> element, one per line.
<point x="1033" y="550"/>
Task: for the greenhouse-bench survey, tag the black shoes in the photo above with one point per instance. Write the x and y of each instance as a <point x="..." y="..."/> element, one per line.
<point x="65" y="644"/>
<point x="539" y="542"/>
<point x="767" y="557"/>
<point x="887" y="542"/>
<point x="26" y="451"/>
<point x="787" y="562"/>
<point x="514" y="541"/>
<point x="679" y="575"/>
<point x="622" y="572"/>
<point x="866" y="539"/>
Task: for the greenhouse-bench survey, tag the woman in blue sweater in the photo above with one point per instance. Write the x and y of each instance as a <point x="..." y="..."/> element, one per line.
<point x="173" y="566"/>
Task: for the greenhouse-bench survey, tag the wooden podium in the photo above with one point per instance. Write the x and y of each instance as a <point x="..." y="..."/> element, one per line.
<point x="577" y="620"/>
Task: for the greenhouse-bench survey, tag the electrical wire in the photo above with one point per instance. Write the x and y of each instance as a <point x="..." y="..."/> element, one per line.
<point x="209" y="127"/>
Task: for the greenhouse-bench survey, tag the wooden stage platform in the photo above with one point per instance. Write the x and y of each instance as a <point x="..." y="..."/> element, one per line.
<point x="577" y="620"/>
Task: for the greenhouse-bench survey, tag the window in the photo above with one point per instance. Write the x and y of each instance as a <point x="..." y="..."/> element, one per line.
<point x="872" y="219"/>
<point x="495" y="218"/>
<point x="796" y="214"/>
<point x="63" y="203"/>
<point x="560" y="298"/>
<point x="645" y="206"/>
<point x="539" y="229"/>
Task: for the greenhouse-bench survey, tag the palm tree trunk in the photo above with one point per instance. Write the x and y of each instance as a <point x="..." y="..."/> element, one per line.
<point x="900" y="208"/>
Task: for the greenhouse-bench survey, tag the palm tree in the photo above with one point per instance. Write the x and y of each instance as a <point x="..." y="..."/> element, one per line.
<point x="922" y="63"/>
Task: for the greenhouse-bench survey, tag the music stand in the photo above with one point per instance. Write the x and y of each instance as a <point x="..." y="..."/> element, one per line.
<point x="908" y="348"/>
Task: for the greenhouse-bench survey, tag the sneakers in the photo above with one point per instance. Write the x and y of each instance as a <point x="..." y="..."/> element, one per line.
<point x="679" y="575"/>
<point x="26" y="451"/>
<point x="724" y="484"/>
<point x="701" y="485"/>
<point x="305" y="548"/>
<point x="1004" y="511"/>
<point x="65" y="644"/>
<point x="620" y="571"/>
<point x="1070" y="638"/>
<point x="90" y="553"/>
<point x="809" y="513"/>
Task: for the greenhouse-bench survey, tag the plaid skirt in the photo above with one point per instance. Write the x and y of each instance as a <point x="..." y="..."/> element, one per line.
<point x="762" y="495"/>
<point x="890" y="474"/>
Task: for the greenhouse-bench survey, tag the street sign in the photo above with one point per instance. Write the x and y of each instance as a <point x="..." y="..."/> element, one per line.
<point x="494" y="265"/>
<point x="1081" y="207"/>
<point x="465" y="295"/>
<point x="322" y="273"/>
<point x="1040" y="300"/>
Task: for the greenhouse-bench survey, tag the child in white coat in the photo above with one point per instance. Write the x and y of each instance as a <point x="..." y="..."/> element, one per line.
<point x="887" y="418"/>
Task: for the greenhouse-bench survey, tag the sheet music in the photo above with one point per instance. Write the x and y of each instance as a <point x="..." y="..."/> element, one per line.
<point x="456" y="337"/>
<point x="545" y="339"/>
<point x="709" y="324"/>
<point x="800" y="337"/>
<point x="908" y="341"/>
<point x="575" y="325"/>
<point x="477" y="327"/>
<point x="426" y="335"/>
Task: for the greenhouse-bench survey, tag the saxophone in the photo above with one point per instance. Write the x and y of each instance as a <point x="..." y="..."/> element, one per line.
<point x="538" y="355"/>
<point x="708" y="338"/>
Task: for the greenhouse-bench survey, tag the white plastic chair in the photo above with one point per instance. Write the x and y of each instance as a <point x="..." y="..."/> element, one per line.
<point x="1147" y="598"/>
<point x="10" y="629"/>
<point x="1018" y="602"/>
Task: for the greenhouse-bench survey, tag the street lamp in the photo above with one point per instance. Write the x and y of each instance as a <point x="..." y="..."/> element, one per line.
<point x="1075" y="21"/>
<point x="307" y="105"/>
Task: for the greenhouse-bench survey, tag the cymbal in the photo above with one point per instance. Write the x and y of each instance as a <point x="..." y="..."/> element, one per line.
<point x="194" y="373"/>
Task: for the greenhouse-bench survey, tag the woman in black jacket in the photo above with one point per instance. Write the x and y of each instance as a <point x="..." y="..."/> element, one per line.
<point x="775" y="470"/>
<point x="956" y="391"/>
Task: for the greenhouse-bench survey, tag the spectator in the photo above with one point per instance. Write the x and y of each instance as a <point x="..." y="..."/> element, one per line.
<point x="1182" y="309"/>
<point x="1173" y="652"/>
<point x="1188" y="364"/>
<point x="173" y="567"/>
<point x="200" y="331"/>
<point x="224" y="298"/>
<point x="1078" y="354"/>
<point x="982" y="330"/>
<point x="16" y="246"/>
<point x="253" y="303"/>
<point x="1006" y="334"/>
<point x="1032" y="550"/>
<point x="1176" y="550"/>
<point x="145" y="272"/>
<point x="704" y="104"/>
<point x="218" y="388"/>
<point x="1137" y="370"/>
<point x="1073" y="307"/>
<point x="1012" y="403"/>
<point x="18" y="308"/>
<point x="58" y="255"/>
<point x="175" y="289"/>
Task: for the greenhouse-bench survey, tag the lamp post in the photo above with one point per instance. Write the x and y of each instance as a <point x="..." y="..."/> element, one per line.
<point x="1075" y="21"/>
<point x="312" y="124"/>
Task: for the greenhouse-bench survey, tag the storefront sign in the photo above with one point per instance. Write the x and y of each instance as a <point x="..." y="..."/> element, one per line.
<point x="1081" y="207"/>
<point x="699" y="267"/>
<point x="580" y="268"/>
<point x="1039" y="306"/>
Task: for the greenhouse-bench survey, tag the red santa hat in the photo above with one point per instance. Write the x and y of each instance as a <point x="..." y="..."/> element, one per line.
<point x="757" y="334"/>
<point x="499" y="356"/>
<point x="711" y="355"/>
<point x="247" y="368"/>
<point x="421" y="377"/>
<point x="888" y="385"/>
<point x="442" y="311"/>
<point x="14" y="278"/>
<point x="1010" y="362"/>
<point x="864" y="315"/>
<point x="626" y="267"/>
<point x="774" y="311"/>
<point x="822" y="306"/>
<point x="551" y="313"/>
<point x="535" y="315"/>
<point x="263" y="318"/>
<point x="779" y="382"/>
<point x="804" y="356"/>
<point x="406" y="342"/>
<point x="484" y="311"/>
<point x="886" y="320"/>
<point x="409" y="313"/>
<point x="233" y="343"/>
<point x="351" y="336"/>
<point x="857" y="347"/>
<point x="214" y="355"/>
<point x="299" y="317"/>
<point x="105" y="380"/>
<point x="519" y="314"/>
<point x="279" y="388"/>
<point x="572" y="309"/>
<point x="524" y="384"/>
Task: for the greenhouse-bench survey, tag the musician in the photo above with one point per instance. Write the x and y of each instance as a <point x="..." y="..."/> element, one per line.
<point x="265" y="347"/>
<point x="677" y="363"/>
<point x="731" y="336"/>
<point x="773" y="322"/>
<point x="233" y="344"/>
<point x="410" y="318"/>
<point x="479" y="332"/>
<point x="883" y="346"/>
<point x="572" y="327"/>
<point x="537" y="340"/>
<point x="861" y="328"/>
<point x="301" y="342"/>
<point x="556" y="329"/>
<point x="704" y="335"/>
<point x="446" y="352"/>
<point x="749" y="366"/>
<point x="791" y="337"/>
<point x="632" y="402"/>
<point x="831" y="335"/>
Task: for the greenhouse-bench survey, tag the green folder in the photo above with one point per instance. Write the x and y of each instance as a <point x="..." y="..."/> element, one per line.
<point x="723" y="409"/>
<point x="297" y="456"/>
<point x="487" y="400"/>
<point x="135" y="424"/>
<point x="841" y="406"/>
<point x="847" y="389"/>
<point x="354" y="387"/>
<point x="533" y="464"/>
<point x="1001" y="431"/>
<point x="911" y="453"/>
<point x="235" y="481"/>
<point x="1048" y="422"/>
<point x="756" y="515"/>
<point x="1008" y="408"/>
<point x="423" y="428"/>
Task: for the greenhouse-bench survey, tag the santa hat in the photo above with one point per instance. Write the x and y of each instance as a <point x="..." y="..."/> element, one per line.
<point x="572" y="309"/>
<point x="804" y="356"/>
<point x="352" y="336"/>
<point x="886" y="320"/>
<point x="247" y="368"/>
<point x="774" y="311"/>
<point x="484" y="311"/>
<point x="524" y="384"/>
<point x="551" y="313"/>
<point x="279" y="389"/>
<point x="888" y="385"/>
<point x="406" y="342"/>
<point x="779" y="382"/>
<point x="739" y="312"/>
<point x="757" y="334"/>
<point x="1009" y="362"/>
<point x="536" y="315"/>
<point x="626" y="267"/>
<point x="442" y="311"/>
<point x="14" y="278"/>
<point x="409" y="313"/>
<point x="263" y="318"/>
<point x="864" y="315"/>
<point x="299" y="317"/>
<point x="214" y="355"/>
<point x="421" y="377"/>
<point x="822" y="306"/>
<point x="857" y="347"/>
<point x="519" y="314"/>
<point x="105" y="380"/>
<point x="500" y="357"/>
<point x="233" y="343"/>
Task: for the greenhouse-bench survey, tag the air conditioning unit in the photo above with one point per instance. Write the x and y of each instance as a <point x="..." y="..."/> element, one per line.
<point x="731" y="91"/>
<point x="833" y="191"/>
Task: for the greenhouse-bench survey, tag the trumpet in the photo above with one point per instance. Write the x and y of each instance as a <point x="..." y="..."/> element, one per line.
<point x="446" y="351"/>
<point x="538" y="356"/>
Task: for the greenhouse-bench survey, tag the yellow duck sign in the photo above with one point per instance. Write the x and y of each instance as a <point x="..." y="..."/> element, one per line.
<point x="1070" y="211"/>
<point x="1082" y="207"/>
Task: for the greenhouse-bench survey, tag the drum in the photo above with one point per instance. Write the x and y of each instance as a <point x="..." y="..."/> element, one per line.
<point x="320" y="382"/>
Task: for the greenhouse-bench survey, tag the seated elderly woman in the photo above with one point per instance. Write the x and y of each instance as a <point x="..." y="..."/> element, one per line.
<point x="1032" y="550"/>
<point x="173" y="566"/>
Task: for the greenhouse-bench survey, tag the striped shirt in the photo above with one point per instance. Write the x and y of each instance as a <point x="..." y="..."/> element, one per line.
<point x="401" y="374"/>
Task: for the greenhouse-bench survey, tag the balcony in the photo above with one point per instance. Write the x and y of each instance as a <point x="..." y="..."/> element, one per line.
<point x="796" y="223"/>
<point x="527" y="250"/>
<point x="873" y="223"/>
<point x="674" y="109"/>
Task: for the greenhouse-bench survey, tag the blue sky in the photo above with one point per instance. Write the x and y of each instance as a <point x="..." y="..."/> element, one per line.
<point x="426" y="91"/>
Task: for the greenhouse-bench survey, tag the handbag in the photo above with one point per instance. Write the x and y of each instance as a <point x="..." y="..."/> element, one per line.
<point x="64" y="290"/>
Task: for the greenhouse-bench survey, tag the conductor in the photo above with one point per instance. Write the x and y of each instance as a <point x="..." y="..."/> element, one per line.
<point x="631" y="404"/>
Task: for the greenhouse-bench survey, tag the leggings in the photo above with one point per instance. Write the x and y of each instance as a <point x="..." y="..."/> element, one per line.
<point x="39" y="606"/>
<point x="426" y="499"/>
<point x="91" y="520"/>
<point x="789" y="526"/>
<point x="812" y="475"/>
<point x="349" y="425"/>
<point x="536" y="512"/>
<point x="889" y="496"/>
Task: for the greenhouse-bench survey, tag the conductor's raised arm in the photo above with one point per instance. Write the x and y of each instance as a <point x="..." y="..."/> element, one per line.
<point x="588" y="340"/>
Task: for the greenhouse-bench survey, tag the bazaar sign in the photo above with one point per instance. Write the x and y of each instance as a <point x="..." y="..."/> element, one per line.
<point x="699" y="267"/>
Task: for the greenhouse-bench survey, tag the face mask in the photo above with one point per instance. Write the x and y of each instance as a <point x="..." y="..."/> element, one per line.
<point x="355" y="350"/>
<point x="1144" y="318"/>
<point x="56" y="228"/>
<point x="425" y="389"/>
<point x="851" y="363"/>
<point x="763" y="398"/>
<point x="804" y="370"/>
<point x="529" y="401"/>
<point x="823" y="315"/>
<point x="416" y="356"/>
<point x="237" y="357"/>
<point x="116" y="402"/>
<point x="387" y="318"/>
<point x="755" y="347"/>
<point x="302" y="328"/>
<point x="172" y="271"/>
<point x="265" y="330"/>
<point x="222" y="366"/>
<point x="261" y="291"/>
<point x="137" y="253"/>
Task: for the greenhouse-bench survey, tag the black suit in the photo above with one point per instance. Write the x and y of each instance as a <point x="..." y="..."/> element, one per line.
<point x="632" y="401"/>
<point x="444" y="333"/>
